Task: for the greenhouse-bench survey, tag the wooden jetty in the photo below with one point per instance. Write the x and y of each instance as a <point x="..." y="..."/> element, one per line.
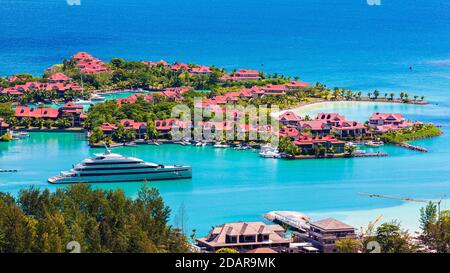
<point x="295" y="220"/>
<point x="413" y="147"/>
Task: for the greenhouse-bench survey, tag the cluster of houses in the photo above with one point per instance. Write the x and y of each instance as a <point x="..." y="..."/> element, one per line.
<point x="57" y="82"/>
<point x="179" y="66"/>
<point x="386" y="122"/>
<point x="173" y="93"/>
<point x="308" y="134"/>
<point x="258" y="237"/>
<point x="69" y="110"/>
<point x="88" y="64"/>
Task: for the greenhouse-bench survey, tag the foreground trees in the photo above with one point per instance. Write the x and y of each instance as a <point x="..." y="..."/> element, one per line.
<point x="99" y="220"/>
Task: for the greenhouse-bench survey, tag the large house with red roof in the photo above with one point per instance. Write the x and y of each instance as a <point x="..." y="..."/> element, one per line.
<point x="246" y="75"/>
<point x="349" y="129"/>
<point x="108" y="129"/>
<point x="332" y="119"/>
<point x="139" y="127"/>
<point x="201" y="70"/>
<point x="315" y="127"/>
<point x="88" y="64"/>
<point x="308" y="143"/>
<point x="73" y="112"/>
<point x="165" y="126"/>
<point x="44" y="113"/>
<point x="289" y="118"/>
<point x="385" y="122"/>
<point x="60" y="87"/>
<point x="59" y="78"/>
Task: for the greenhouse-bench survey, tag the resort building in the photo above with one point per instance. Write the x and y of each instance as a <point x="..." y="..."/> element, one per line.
<point x="274" y="89"/>
<point x="88" y="64"/>
<point x="245" y="236"/>
<point x="164" y="127"/>
<point x="139" y="127"/>
<point x="73" y="112"/>
<point x="333" y="119"/>
<point x="349" y="129"/>
<point x="4" y="127"/>
<point x="385" y="122"/>
<point x="108" y="129"/>
<point x="309" y="143"/>
<point x="289" y="118"/>
<point x="201" y="70"/>
<point x="180" y="66"/>
<point x="59" y="78"/>
<point x="160" y="62"/>
<point x="59" y="87"/>
<point x="44" y="113"/>
<point x="246" y="75"/>
<point x="323" y="234"/>
<point x="296" y="85"/>
<point x="315" y="127"/>
<point x="290" y="132"/>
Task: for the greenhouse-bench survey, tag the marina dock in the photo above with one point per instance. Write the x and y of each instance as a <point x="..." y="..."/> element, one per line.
<point x="296" y="221"/>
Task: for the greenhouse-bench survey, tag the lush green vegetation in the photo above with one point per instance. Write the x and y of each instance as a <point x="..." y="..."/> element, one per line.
<point x="99" y="220"/>
<point x="413" y="133"/>
<point x="436" y="228"/>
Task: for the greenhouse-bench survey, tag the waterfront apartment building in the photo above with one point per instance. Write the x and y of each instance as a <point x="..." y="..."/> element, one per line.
<point x="323" y="234"/>
<point x="245" y="236"/>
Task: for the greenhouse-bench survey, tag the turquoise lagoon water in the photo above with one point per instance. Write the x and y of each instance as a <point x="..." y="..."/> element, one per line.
<point x="229" y="185"/>
<point x="348" y="44"/>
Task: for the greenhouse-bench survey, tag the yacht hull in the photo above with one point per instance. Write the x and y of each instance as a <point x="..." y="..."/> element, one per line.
<point x="166" y="173"/>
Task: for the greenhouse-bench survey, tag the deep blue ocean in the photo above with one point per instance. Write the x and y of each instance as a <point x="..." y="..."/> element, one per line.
<point x="345" y="43"/>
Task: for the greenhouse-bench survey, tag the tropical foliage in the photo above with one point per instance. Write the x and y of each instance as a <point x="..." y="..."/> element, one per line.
<point x="99" y="220"/>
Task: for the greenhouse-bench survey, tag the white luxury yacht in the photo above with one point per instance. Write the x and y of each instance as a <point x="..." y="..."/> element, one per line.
<point x="110" y="167"/>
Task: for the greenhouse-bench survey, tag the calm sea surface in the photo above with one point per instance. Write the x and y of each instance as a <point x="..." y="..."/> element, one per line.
<point x="341" y="43"/>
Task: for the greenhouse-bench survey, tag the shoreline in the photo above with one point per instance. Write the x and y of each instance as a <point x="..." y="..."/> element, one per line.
<point x="323" y="101"/>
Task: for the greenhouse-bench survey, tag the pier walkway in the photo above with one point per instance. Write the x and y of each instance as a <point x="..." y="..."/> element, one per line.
<point x="296" y="221"/>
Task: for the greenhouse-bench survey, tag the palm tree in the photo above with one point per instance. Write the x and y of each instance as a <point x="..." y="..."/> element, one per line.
<point x="422" y="98"/>
<point x="369" y="95"/>
<point x="392" y="96"/>
<point x="402" y="95"/>
<point x="416" y="97"/>
<point x="376" y="94"/>
<point x="350" y="149"/>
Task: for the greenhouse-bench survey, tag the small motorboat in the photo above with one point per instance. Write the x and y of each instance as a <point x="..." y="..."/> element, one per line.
<point x="270" y="154"/>
<point x="371" y="143"/>
<point x="83" y="102"/>
<point x="221" y="145"/>
<point x="242" y="147"/>
<point x="200" y="144"/>
<point x="96" y="97"/>
<point x="19" y="134"/>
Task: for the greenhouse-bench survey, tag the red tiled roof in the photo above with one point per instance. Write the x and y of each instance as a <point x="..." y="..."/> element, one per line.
<point x="335" y="117"/>
<point x="108" y="127"/>
<point x="82" y="56"/>
<point x="201" y="70"/>
<point x="314" y="125"/>
<point x="129" y="123"/>
<point x="23" y="111"/>
<point x="332" y="224"/>
<point x="289" y="116"/>
<point x="179" y="66"/>
<point x="296" y="84"/>
<point x="387" y="116"/>
<point x="59" y="77"/>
